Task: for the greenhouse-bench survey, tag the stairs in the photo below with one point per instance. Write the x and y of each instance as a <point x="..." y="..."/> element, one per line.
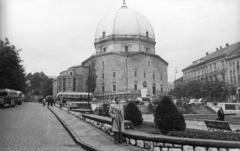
<point x="196" y="109"/>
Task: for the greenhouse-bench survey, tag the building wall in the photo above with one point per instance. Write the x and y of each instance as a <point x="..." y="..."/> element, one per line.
<point x="119" y="45"/>
<point x="55" y="88"/>
<point x="124" y="67"/>
<point x="233" y="72"/>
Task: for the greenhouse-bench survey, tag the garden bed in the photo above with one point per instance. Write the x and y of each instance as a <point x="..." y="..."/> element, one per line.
<point x="192" y="133"/>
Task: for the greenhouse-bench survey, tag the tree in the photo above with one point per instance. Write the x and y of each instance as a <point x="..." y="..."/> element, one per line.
<point x="40" y="84"/>
<point x="11" y="70"/>
<point x="202" y="89"/>
<point x="92" y="78"/>
<point x="167" y="117"/>
<point x="133" y="114"/>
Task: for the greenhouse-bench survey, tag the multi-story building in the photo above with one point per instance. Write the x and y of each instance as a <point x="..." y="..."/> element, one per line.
<point x="223" y="64"/>
<point x="125" y="59"/>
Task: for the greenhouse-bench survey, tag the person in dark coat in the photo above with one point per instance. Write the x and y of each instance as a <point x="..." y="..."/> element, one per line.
<point x="220" y="114"/>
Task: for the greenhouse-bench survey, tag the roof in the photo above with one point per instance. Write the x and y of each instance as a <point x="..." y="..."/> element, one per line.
<point x="124" y="22"/>
<point x="225" y="52"/>
<point x="126" y="54"/>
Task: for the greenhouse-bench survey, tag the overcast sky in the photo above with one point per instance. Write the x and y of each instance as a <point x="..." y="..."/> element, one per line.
<point x="57" y="34"/>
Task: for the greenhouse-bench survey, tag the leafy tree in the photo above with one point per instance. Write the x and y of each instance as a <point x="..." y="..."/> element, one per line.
<point x="11" y="70"/>
<point x="133" y="114"/>
<point x="167" y="117"/>
<point x="92" y="78"/>
<point x="203" y="89"/>
<point x="40" y="84"/>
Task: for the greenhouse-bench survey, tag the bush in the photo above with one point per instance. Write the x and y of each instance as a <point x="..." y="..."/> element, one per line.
<point x="167" y="117"/>
<point x="103" y="110"/>
<point x="133" y="114"/>
<point x="205" y="135"/>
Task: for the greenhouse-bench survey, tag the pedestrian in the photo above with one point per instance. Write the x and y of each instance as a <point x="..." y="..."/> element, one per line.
<point x="220" y="114"/>
<point x="44" y="102"/>
<point x="48" y="101"/>
<point x="51" y="101"/>
<point x="117" y="114"/>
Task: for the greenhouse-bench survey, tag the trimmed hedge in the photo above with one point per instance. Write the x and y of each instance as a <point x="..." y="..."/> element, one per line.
<point x="206" y="135"/>
<point x="167" y="117"/>
<point x="133" y="114"/>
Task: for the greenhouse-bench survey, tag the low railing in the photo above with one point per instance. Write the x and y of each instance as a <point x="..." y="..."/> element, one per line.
<point x="162" y="142"/>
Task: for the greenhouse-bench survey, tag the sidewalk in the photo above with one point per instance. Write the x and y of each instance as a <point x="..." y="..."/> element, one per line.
<point x="89" y="136"/>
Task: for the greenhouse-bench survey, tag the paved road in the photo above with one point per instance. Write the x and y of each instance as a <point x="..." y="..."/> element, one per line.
<point x="31" y="127"/>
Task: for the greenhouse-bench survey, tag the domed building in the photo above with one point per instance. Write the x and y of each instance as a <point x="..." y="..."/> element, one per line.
<point x="125" y="61"/>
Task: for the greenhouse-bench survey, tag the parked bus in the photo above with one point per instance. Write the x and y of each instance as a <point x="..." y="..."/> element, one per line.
<point x="9" y="98"/>
<point x="76" y="100"/>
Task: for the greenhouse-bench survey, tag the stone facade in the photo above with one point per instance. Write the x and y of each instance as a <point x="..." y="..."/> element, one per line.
<point x="223" y="65"/>
<point x="125" y="60"/>
<point x="129" y="73"/>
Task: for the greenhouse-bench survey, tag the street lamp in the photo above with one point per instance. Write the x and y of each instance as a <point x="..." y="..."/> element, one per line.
<point x="89" y="71"/>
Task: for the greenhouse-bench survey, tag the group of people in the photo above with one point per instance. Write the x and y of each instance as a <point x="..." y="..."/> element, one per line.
<point x="49" y="100"/>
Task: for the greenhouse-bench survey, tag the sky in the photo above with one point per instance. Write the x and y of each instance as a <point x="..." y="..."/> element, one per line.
<point x="57" y="34"/>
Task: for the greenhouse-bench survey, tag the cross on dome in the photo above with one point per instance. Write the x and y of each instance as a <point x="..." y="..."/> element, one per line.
<point x="124" y="4"/>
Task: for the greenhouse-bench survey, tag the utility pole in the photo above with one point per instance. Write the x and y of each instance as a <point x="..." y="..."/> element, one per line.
<point x="89" y="76"/>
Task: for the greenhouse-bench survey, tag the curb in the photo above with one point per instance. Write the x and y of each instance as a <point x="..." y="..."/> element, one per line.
<point x="73" y="134"/>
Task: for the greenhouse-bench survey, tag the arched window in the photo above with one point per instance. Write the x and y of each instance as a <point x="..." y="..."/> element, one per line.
<point x="126" y="48"/>
<point x="144" y="84"/>
<point x="135" y="87"/>
<point x="147" y="34"/>
<point x="135" y="73"/>
<point x="103" y="33"/>
<point x="149" y="61"/>
<point x="103" y="87"/>
<point x="104" y="49"/>
<point x="103" y="64"/>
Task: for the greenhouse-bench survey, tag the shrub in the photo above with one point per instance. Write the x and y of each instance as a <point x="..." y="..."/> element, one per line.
<point x="205" y="135"/>
<point x="167" y="117"/>
<point x="133" y="114"/>
<point x="103" y="110"/>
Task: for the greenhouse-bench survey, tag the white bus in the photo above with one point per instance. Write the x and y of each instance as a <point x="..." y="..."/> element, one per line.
<point x="76" y="100"/>
<point x="10" y="97"/>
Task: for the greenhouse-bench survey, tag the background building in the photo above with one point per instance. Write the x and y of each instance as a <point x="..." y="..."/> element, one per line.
<point x="223" y="65"/>
<point x="125" y="59"/>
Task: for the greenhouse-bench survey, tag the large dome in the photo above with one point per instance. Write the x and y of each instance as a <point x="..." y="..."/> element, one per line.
<point x="124" y="22"/>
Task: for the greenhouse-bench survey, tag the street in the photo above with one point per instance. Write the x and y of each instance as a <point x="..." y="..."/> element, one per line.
<point x="32" y="127"/>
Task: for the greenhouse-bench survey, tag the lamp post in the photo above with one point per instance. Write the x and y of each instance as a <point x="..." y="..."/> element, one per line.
<point x="89" y="72"/>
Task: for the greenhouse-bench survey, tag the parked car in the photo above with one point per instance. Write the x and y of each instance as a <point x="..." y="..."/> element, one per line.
<point x="144" y="100"/>
<point x="195" y="101"/>
<point x="177" y="102"/>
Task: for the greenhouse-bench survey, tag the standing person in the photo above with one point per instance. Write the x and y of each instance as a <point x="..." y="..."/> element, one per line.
<point x="117" y="114"/>
<point x="220" y="114"/>
<point x="48" y="101"/>
<point x="44" y="101"/>
<point x="51" y="101"/>
<point x="54" y="100"/>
